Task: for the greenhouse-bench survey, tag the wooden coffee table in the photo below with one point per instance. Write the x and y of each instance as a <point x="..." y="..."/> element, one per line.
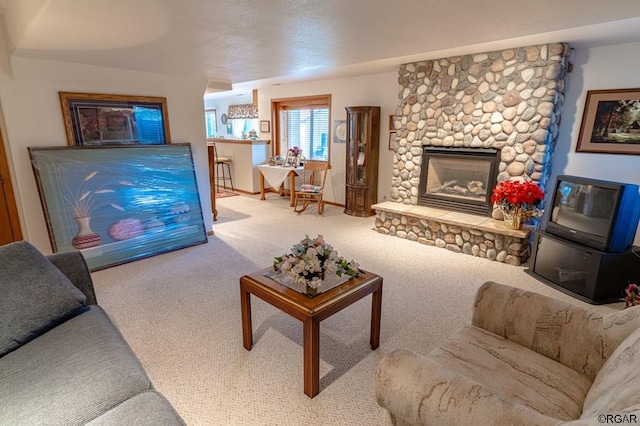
<point x="310" y="311"/>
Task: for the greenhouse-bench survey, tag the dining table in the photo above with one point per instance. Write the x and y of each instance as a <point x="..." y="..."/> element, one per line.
<point x="275" y="176"/>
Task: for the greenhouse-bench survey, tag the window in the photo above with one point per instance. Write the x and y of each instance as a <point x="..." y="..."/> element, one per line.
<point x="242" y="126"/>
<point x="303" y="122"/>
<point x="211" y="122"/>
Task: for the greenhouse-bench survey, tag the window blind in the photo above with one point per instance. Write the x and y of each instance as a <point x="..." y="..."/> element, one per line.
<point x="306" y="128"/>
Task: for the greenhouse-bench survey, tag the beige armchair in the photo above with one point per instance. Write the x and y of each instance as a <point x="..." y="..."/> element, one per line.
<point x="526" y="359"/>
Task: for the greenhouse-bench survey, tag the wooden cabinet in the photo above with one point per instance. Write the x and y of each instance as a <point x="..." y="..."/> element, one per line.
<point x="363" y="134"/>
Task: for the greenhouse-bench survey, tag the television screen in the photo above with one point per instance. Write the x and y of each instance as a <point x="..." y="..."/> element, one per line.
<point x="584" y="207"/>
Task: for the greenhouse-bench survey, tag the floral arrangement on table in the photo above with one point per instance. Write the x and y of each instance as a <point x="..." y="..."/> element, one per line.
<point x="518" y="199"/>
<point x="295" y="151"/>
<point x="632" y="295"/>
<point x="311" y="260"/>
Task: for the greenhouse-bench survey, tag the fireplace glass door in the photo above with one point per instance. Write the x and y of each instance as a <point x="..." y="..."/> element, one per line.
<point x="458" y="179"/>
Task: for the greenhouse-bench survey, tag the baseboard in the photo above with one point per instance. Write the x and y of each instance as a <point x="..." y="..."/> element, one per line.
<point x="241" y="191"/>
<point x="333" y="204"/>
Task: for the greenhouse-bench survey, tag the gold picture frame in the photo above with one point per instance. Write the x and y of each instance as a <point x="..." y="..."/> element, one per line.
<point x="101" y="119"/>
<point x="611" y="122"/>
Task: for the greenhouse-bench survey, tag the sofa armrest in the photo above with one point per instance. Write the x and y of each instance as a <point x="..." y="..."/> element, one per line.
<point x="74" y="267"/>
<point x="577" y="337"/>
<point x="420" y="391"/>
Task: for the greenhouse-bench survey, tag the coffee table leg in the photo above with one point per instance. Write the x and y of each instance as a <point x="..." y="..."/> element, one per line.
<point x="376" y="313"/>
<point x="247" y="329"/>
<point x="311" y="345"/>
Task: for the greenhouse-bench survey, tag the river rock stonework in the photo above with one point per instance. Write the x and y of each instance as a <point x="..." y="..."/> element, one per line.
<point x="508" y="100"/>
<point x="491" y="244"/>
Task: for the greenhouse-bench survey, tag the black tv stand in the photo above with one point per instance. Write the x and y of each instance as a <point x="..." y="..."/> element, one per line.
<point x="583" y="272"/>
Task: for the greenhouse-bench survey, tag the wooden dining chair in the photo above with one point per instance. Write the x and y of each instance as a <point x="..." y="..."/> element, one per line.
<point x="312" y="187"/>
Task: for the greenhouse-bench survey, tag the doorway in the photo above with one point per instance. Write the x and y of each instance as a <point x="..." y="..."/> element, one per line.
<point x="10" y="230"/>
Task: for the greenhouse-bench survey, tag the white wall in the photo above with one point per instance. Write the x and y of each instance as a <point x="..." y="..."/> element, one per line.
<point x="32" y="117"/>
<point x="613" y="67"/>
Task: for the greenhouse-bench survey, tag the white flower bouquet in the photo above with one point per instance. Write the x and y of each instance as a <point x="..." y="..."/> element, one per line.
<point x="311" y="260"/>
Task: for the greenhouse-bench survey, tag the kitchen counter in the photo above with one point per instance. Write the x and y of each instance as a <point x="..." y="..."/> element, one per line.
<point x="245" y="155"/>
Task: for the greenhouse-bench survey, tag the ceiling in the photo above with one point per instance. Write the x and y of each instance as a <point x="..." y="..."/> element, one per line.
<point x="248" y="44"/>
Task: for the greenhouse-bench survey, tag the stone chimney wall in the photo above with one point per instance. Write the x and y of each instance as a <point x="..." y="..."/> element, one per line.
<point x="508" y="100"/>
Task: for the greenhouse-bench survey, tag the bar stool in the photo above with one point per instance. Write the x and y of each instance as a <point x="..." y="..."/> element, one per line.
<point x="223" y="170"/>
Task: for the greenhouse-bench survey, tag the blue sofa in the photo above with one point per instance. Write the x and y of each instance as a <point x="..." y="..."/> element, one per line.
<point x="62" y="361"/>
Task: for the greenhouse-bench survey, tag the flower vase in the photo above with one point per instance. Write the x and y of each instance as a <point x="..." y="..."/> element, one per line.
<point x="513" y="220"/>
<point x="85" y="237"/>
<point x="310" y="291"/>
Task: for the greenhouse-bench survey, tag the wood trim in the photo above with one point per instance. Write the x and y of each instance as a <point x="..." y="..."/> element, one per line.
<point x="5" y="181"/>
<point x="212" y="181"/>
<point x="297" y="103"/>
<point x="240" y="141"/>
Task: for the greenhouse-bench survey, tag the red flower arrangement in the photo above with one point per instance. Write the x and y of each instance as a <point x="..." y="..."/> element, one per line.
<point x="518" y="197"/>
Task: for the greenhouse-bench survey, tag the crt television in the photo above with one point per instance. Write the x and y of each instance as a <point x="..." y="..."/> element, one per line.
<point x="596" y="213"/>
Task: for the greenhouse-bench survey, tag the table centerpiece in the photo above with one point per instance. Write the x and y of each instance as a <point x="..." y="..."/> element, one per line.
<point x="311" y="261"/>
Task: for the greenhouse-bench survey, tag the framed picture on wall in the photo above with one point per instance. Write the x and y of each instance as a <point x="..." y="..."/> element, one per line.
<point x="393" y="144"/>
<point x="611" y="122"/>
<point x="98" y="119"/>
<point x="339" y="131"/>
<point x="265" y="126"/>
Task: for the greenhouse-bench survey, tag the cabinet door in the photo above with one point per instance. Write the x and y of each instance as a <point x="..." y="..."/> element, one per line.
<point x="363" y="128"/>
<point x="359" y="139"/>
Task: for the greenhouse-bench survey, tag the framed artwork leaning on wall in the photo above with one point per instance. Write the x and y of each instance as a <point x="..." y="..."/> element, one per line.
<point x="99" y="119"/>
<point x="117" y="204"/>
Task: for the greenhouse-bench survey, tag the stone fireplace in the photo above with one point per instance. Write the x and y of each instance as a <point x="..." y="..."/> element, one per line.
<point x="460" y="179"/>
<point x="507" y="101"/>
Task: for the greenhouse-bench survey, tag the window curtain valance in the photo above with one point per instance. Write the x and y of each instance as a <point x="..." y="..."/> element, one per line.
<point x="242" y="111"/>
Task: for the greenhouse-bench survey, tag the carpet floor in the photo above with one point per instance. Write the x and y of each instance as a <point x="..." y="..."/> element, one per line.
<point x="180" y="312"/>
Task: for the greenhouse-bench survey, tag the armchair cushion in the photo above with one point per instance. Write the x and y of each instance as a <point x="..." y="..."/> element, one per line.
<point x="515" y="372"/>
<point x="36" y="296"/>
<point x="416" y="390"/>
<point x="310" y="188"/>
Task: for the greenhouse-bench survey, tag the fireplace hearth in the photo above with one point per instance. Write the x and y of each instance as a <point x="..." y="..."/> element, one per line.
<point x="460" y="179"/>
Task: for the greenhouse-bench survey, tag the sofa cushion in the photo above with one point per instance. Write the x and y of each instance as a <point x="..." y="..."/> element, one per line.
<point x="145" y="409"/>
<point x="35" y="295"/>
<point x="615" y="388"/>
<point x="69" y="375"/>
<point x="514" y="371"/>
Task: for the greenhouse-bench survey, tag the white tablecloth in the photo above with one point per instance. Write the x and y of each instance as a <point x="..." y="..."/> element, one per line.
<point x="276" y="175"/>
